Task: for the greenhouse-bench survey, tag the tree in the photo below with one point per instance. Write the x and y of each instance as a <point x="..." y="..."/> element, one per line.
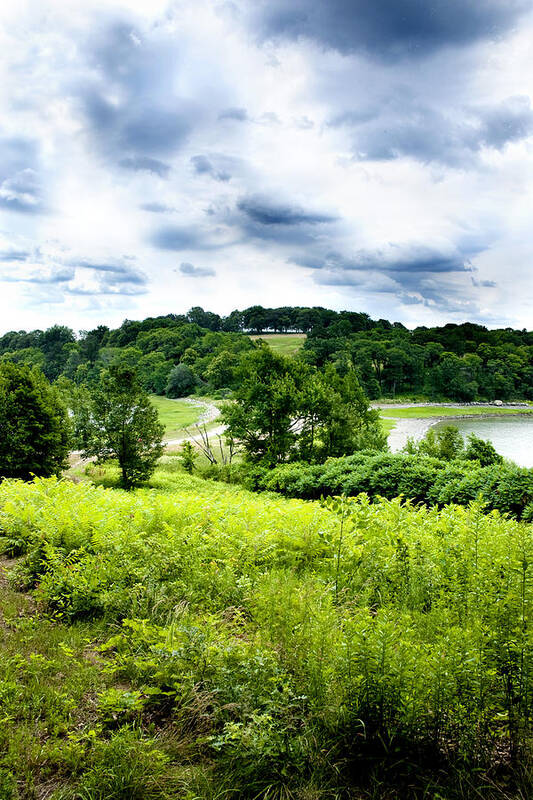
<point x="34" y="425"/>
<point x="181" y="381"/>
<point x="123" y="424"/>
<point x="284" y="409"/>
<point x="262" y="417"/>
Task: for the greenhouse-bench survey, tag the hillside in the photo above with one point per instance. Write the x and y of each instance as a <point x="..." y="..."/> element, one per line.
<point x="201" y="353"/>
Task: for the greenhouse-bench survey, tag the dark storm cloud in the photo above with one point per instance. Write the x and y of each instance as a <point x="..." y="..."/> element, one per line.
<point x="196" y="272"/>
<point x="147" y="164"/>
<point x="203" y="166"/>
<point x="387" y="29"/>
<point x="411" y="272"/>
<point x="114" y="267"/>
<point x="179" y="237"/>
<point x="510" y="121"/>
<point x="112" y="277"/>
<point x="176" y="237"/>
<point x="265" y="211"/>
<point x="406" y="128"/>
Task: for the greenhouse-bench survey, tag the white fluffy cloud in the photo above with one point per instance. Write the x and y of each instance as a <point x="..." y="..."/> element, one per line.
<point x="384" y="166"/>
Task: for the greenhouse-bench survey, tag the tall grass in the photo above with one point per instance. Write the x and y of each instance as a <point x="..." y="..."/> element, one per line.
<point x="302" y="651"/>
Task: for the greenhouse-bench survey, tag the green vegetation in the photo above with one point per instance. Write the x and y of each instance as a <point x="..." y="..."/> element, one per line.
<point x="176" y="415"/>
<point x="421" y="478"/>
<point x="427" y="412"/>
<point x="202" y="642"/>
<point x="203" y="351"/>
<point x="120" y="422"/>
<point x="193" y="640"/>
<point x="285" y="410"/>
<point x="287" y="344"/>
<point x="34" y="427"/>
<point x="447" y="444"/>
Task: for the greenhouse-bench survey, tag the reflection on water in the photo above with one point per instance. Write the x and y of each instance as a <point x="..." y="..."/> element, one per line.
<point x="511" y="436"/>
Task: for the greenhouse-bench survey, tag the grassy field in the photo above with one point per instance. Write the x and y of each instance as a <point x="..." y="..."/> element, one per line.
<point x="176" y="415"/>
<point x="387" y="424"/>
<point x="285" y="343"/>
<point x="425" y="412"/>
<point x="194" y="640"/>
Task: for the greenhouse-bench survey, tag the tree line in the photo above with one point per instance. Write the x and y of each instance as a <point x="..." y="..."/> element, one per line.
<point x="201" y="352"/>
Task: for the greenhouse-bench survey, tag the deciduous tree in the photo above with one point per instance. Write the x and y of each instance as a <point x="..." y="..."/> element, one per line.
<point x="123" y="424"/>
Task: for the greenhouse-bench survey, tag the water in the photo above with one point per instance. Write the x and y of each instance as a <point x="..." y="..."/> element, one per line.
<point x="511" y="436"/>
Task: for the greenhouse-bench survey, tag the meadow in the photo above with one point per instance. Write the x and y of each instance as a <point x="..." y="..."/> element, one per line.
<point x="178" y="415"/>
<point x="426" y="412"/>
<point x="287" y="344"/>
<point x="195" y="640"/>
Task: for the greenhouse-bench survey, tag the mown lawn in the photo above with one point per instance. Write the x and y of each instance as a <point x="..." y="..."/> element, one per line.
<point x="424" y="412"/>
<point x="176" y="415"/>
<point x="285" y="343"/>
<point x="387" y="424"/>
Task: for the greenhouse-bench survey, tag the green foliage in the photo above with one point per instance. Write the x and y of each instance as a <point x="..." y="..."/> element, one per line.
<point x="502" y="487"/>
<point x="462" y="362"/>
<point x="34" y="427"/>
<point x="445" y="443"/>
<point x="286" y="645"/>
<point x="482" y="450"/>
<point x="181" y="381"/>
<point x="123" y="424"/>
<point x="188" y="456"/>
<point x="284" y="410"/>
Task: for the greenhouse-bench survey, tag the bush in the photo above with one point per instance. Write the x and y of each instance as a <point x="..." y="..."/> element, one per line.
<point x="506" y="487"/>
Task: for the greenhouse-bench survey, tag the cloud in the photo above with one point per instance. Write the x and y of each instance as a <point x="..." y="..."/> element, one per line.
<point x="113" y="276"/>
<point x="176" y="237"/>
<point x="129" y="99"/>
<point x="194" y="237"/>
<point x="116" y="266"/>
<point x="156" y="208"/>
<point x="237" y="114"/>
<point x="413" y="273"/>
<point x="14" y="255"/>
<point x="265" y="211"/>
<point x="394" y="260"/>
<point x="52" y="275"/>
<point x="22" y="193"/>
<point x="203" y="166"/>
<point x="404" y="127"/>
<point x="386" y="29"/>
<point x="196" y="272"/>
<point x="140" y="163"/>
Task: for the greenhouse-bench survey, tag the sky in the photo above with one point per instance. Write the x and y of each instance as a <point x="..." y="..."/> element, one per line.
<point x="371" y="155"/>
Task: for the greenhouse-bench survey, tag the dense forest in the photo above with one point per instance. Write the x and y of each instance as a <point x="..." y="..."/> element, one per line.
<point x="201" y="352"/>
